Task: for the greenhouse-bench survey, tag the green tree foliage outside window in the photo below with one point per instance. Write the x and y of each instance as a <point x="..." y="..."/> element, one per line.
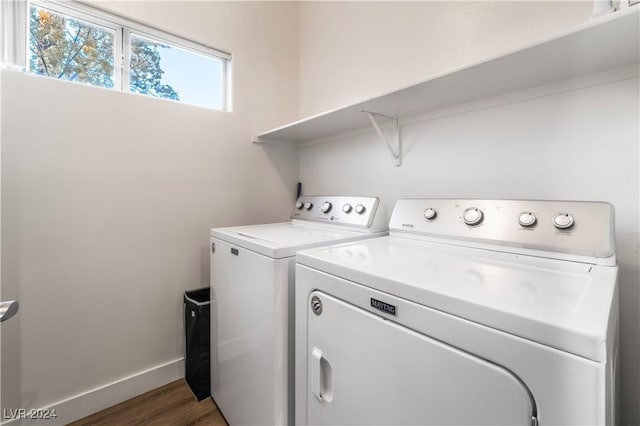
<point x="66" y="48"/>
<point x="145" y="72"/>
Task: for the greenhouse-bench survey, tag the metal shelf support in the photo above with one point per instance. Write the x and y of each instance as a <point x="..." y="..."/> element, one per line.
<point x="394" y="146"/>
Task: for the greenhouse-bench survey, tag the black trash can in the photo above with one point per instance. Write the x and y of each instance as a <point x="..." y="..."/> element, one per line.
<point x="197" y="352"/>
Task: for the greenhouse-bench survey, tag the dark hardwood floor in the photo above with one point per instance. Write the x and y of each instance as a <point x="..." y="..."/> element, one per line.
<point x="172" y="404"/>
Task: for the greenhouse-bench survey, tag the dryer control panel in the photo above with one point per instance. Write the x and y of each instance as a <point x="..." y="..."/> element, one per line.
<point x="358" y="212"/>
<point x="572" y="227"/>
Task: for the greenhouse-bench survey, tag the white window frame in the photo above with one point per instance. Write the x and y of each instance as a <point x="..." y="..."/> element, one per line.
<point x="123" y="28"/>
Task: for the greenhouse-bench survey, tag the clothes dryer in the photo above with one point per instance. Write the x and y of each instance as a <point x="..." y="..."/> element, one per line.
<point x="483" y="312"/>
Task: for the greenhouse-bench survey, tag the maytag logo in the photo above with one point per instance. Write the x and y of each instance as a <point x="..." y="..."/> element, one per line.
<point x="384" y="307"/>
<point x="407" y="225"/>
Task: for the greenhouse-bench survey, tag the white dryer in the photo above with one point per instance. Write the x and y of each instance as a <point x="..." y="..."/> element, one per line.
<point x="252" y="279"/>
<point x="482" y="312"/>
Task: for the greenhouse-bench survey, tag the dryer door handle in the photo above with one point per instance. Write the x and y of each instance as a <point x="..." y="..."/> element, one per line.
<point x="316" y="373"/>
<point x="8" y="309"/>
<point x="321" y="380"/>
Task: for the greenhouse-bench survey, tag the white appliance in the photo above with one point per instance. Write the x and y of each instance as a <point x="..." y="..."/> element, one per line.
<point x="469" y="312"/>
<point x="252" y="279"/>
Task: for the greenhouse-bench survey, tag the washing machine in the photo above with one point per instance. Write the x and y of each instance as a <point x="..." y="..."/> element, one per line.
<point x="471" y="312"/>
<point x="252" y="285"/>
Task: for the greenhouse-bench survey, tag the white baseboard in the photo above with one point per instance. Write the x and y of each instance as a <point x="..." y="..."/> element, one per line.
<point x="94" y="400"/>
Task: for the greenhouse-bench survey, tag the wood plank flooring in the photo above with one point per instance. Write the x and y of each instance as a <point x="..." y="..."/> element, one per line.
<point x="172" y="404"/>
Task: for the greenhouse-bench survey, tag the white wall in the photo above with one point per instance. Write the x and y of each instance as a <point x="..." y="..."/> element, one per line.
<point x="578" y="145"/>
<point x="350" y="51"/>
<point x="108" y="197"/>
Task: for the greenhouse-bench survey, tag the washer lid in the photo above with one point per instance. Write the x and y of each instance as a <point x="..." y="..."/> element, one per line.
<point x="562" y="304"/>
<point x="278" y="240"/>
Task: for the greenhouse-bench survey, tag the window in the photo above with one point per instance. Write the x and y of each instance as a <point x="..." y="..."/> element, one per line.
<point x="88" y="46"/>
<point x="70" y="49"/>
<point x="185" y="75"/>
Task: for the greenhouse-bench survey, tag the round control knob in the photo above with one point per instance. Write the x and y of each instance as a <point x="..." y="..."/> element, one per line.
<point x="299" y="205"/>
<point x="308" y="206"/>
<point x="430" y="214"/>
<point x="472" y="216"/>
<point x="325" y="207"/>
<point x="347" y="208"/>
<point x="527" y="219"/>
<point x="360" y="209"/>
<point x="563" y="221"/>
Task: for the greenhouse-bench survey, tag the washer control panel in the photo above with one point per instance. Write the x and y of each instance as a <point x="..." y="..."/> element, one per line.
<point x="339" y="210"/>
<point x="573" y="227"/>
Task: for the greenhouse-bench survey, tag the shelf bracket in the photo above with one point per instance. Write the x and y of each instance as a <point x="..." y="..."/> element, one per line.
<point x="393" y="145"/>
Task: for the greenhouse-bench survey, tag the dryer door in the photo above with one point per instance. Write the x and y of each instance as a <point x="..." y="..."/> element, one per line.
<point x="364" y="369"/>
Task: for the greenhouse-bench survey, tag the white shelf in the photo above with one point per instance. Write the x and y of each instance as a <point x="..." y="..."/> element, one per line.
<point x="600" y="45"/>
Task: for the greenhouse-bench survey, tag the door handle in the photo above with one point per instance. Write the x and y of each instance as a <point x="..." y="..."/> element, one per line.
<point x="8" y="309"/>
<point x="321" y="376"/>
<point x="316" y="373"/>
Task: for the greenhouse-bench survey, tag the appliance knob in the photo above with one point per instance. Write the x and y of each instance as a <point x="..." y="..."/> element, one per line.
<point x="430" y="214"/>
<point x="472" y="216"/>
<point x="325" y="207"/>
<point x="299" y="205"/>
<point x="563" y="221"/>
<point x="308" y="206"/>
<point x="347" y="208"/>
<point x="527" y="219"/>
<point x="360" y="209"/>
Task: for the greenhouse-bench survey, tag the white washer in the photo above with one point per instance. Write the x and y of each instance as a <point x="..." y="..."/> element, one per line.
<point x="252" y="278"/>
<point x="470" y="312"/>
